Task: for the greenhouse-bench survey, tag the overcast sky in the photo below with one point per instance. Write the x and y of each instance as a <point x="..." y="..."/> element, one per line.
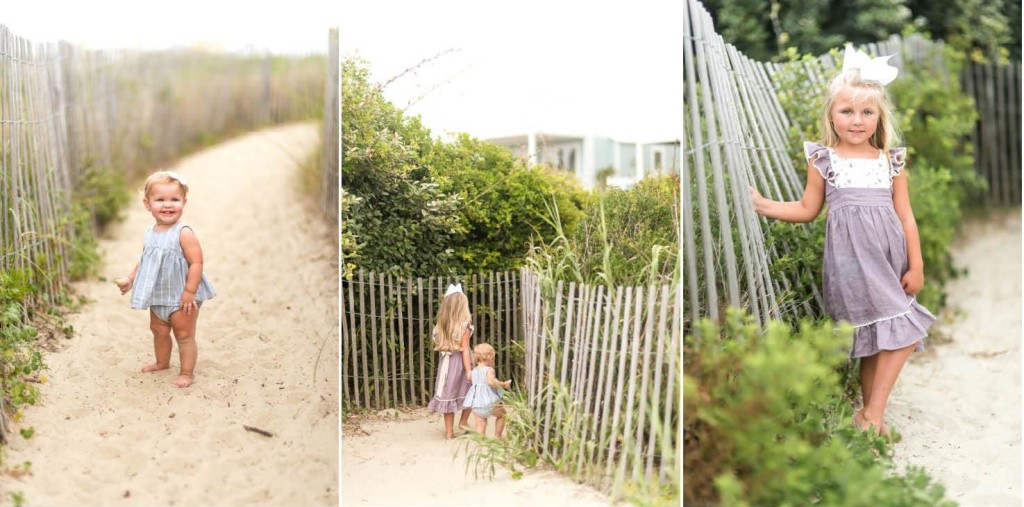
<point x="292" y="26"/>
<point x="606" y="68"/>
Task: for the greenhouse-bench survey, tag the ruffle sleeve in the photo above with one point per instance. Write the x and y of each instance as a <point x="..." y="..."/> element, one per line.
<point x="817" y="154"/>
<point x="897" y="161"/>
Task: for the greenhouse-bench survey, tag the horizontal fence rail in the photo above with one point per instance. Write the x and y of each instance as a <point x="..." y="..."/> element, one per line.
<point x="387" y="357"/>
<point x="603" y="379"/>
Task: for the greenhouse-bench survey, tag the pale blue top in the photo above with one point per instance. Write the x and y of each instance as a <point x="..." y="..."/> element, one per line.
<point x="480" y="394"/>
<point x="160" y="279"/>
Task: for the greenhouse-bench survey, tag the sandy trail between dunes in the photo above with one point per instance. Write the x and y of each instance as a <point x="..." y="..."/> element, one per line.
<point x="398" y="458"/>
<point x="958" y="405"/>
<point x="106" y="434"/>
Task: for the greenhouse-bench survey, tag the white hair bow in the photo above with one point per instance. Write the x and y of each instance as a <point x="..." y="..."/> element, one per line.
<point x="177" y="177"/>
<point x="871" y="69"/>
<point x="452" y="289"/>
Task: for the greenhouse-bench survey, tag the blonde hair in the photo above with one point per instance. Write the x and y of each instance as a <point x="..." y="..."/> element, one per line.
<point x="161" y="177"/>
<point x="452" y="318"/>
<point x="482" y="352"/>
<point x="886" y="134"/>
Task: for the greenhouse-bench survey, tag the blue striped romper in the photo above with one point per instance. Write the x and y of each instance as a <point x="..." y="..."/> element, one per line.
<point x="160" y="279"/>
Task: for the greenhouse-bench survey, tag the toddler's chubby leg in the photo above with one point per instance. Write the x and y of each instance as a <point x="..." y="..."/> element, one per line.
<point x="499" y="421"/>
<point x="481" y="424"/>
<point x="184" y="332"/>
<point x="161" y="344"/>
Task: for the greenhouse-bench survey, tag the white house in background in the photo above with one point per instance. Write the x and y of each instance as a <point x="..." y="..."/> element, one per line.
<point x="585" y="156"/>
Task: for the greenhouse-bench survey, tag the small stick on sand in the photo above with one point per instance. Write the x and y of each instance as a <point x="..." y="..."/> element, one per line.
<point x="257" y="430"/>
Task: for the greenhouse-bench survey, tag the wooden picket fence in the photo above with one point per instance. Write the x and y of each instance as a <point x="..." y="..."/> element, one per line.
<point x="387" y="359"/>
<point x="997" y="137"/>
<point x="603" y="379"/>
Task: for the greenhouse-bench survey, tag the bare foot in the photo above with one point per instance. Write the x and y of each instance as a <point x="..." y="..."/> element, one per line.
<point x="183" y="380"/>
<point x="155" y="367"/>
<point x="864" y="424"/>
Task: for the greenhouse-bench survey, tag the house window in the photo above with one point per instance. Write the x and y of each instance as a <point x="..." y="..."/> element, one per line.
<point x="657" y="159"/>
<point x="561" y="159"/>
<point x="572" y="159"/>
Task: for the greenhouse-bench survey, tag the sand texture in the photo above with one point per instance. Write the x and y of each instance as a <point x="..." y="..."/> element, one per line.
<point x="958" y="405"/>
<point x="400" y="458"/>
<point x="106" y="434"/>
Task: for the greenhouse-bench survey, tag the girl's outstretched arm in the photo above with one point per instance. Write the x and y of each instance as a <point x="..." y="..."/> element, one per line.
<point x="194" y="255"/>
<point x="493" y="381"/>
<point x="913" y="279"/>
<point x="802" y="211"/>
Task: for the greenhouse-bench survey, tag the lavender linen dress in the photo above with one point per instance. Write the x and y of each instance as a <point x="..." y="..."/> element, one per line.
<point x="451" y="386"/>
<point x="866" y="252"/>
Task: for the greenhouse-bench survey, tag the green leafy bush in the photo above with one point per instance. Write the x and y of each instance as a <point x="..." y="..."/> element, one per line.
<point x="420" y="206"/>
<point x="766" y="423"/>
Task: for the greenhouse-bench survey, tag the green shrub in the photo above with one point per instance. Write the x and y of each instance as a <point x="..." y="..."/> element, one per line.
<point x="766" y="423"/>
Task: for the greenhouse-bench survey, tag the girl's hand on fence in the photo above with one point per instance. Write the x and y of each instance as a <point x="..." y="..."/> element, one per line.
<point x="757" y="200"/>
<point x="913" y="281"/>
<point x="506" y="384"/>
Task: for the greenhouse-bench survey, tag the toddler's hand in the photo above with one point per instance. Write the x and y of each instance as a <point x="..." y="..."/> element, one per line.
<point x="125" y="284"/>
<point x="188" y="302"/>
<point x="506" y="384"/>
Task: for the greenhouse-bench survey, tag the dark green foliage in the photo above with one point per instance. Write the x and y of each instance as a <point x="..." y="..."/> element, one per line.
<point x="503" y="202"/>
<point x="985" y="30"/>
<point x="765" y="30"/>
<point x="628" y="237"/>
<point x="400" y="218"/>
<point x="18" y="357"/>
<point x="629" y="233"/>
<point x="766" y="423"/>
<point x="419" y="206"/>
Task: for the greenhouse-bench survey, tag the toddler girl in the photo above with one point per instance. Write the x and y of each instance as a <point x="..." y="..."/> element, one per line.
<point x="485" y="393"/>
<point x="872" y="260"/>
<point x="169" y="279"/>
<point x="451" y="341"/>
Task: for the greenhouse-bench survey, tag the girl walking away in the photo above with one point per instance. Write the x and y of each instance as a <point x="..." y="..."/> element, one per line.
<point x="872" y="260"/>
<point x="169" y="279"/>
<point x="485" y="393"/>
<point x="451" y="341"/>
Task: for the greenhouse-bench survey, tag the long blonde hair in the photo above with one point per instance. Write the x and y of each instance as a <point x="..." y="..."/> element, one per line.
<point x="452" y="318"/>
<point x="887" y="134"/>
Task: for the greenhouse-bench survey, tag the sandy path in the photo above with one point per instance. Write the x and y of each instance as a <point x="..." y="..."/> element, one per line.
<point x="401" y="458"/>
<point x="959" y="405"/>
<point x="106" y="434"/>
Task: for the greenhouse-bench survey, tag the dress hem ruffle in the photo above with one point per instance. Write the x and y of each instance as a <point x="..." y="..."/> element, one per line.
<point x="894" y="333"/>
<point x="446" y="406"/>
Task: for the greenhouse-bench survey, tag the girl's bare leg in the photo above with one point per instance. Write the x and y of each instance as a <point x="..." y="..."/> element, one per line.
<point x="481" y="425"/>
<point x="464" y="419"/>
<point x="868" y="365"/>
<point x="887" y="369"/>
<point x="185" y="332"/>
<point x="449" y="420"/>
<point x="161" y="344"/>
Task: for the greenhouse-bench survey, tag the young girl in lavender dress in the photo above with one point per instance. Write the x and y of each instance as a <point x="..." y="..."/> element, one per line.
<point x="872" y="259"/>
<point x="451" y="341"/>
